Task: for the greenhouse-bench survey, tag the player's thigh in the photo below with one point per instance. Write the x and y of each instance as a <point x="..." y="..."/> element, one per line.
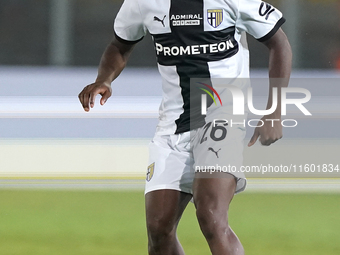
<point x="217" y="153"/>
<point x="213" y="192"/>
<point x="164" y="208"/>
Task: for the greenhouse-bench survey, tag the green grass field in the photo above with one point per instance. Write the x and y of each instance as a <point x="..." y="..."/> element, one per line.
<point x="36" y="222"/>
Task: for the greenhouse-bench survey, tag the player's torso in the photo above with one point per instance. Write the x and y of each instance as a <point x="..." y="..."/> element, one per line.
<point x="192" y="39"/>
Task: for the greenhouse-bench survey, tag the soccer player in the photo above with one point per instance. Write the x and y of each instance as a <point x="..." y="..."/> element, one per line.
<point x="195" y="39"/>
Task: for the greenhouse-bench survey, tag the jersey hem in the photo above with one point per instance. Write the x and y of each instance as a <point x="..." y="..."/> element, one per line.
<point x="273" y="31"/>
<point x="127" y="41"/>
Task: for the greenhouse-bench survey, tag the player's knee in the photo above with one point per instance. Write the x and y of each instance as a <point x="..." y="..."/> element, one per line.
<point x="160" y="235"/>
<point x="159" y="229"/>
<point x="212" y="223"/>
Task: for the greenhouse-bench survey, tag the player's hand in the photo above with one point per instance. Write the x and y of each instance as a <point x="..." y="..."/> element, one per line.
<point x="88" y="95"/>
<point x="269" y="133"/>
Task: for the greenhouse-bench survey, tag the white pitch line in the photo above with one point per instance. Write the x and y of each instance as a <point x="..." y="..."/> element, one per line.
<point x="254" y="185"/>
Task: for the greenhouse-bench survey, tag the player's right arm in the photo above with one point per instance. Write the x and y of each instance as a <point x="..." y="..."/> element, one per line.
<point x="129" y="29"/>
<point x="113" y="61"/>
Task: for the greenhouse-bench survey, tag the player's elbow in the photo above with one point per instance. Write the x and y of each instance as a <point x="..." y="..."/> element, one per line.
<point x="285" y="47"/>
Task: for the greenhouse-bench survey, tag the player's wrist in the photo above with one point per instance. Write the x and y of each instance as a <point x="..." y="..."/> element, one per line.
<point x="105" y="82"/>
<point x="274" y="115"/>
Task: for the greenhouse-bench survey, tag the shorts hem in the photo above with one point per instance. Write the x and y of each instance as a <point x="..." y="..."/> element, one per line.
<point x="171" y="187"/>
<point x="242" y="181"/>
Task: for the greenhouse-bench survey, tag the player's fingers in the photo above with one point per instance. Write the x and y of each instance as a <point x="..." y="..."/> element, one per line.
<point x="266" y="141"/>
<point x="105" y="96"/>
<point x="88" y="96"/>
<point x="254" y="138"/>
<point x="92" y="98"/>
<point x="83" y="98"/>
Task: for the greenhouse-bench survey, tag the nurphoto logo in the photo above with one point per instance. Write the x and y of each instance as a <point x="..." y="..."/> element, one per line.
<point x="238" y="103"/>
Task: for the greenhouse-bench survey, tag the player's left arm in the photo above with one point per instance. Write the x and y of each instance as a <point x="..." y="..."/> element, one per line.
<point x="280" y="64"/>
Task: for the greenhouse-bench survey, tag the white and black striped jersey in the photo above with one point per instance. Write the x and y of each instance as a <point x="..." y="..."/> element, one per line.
<point x="195" y="39"/>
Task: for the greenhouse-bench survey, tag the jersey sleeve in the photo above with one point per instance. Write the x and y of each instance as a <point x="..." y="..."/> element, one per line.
<point x="259" y="19"/>
<point x="128" y="25"/>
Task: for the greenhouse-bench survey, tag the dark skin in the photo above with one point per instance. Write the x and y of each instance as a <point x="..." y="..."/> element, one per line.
<point x="280" y="64"/>
<point x="111" y="65"/>
<point x="212" y="196"/>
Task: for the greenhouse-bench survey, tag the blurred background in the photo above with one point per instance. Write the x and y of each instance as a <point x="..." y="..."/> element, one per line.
<point x="72" y="182"/>
<point x="75" y="32"/>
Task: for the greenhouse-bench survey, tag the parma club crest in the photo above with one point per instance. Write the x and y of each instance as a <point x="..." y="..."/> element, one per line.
<point x="150" y="171"/>
<point x="215" y="17"/>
